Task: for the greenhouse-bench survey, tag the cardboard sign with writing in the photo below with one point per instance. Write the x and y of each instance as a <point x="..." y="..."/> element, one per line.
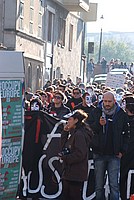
<point x="115" y="80"/>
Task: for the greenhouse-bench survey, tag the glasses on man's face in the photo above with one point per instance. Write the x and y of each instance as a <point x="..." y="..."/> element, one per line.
<point x="57" y="97"/>
<point x="76" y="93"/>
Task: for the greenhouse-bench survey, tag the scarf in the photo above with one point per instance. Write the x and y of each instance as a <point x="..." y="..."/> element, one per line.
<point x="109" y="112"/>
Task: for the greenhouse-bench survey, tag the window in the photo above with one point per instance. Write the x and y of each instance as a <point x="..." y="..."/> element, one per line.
<point x="40" y="19"/>
<point x="50" y="26"/>
<point x="31" y="14"/>
<point x="31" y="27"/>
<point x="31" y="17"/>
<point x="21" y="15"/>
<point x="29" y="80"/>
<point x="39" y="31"/>
<point x="71" y="37"/>
<point x="21" y="23"/>
<point x="62" y="29"/>
<point x="32" y="3"/>
<point x="40" y="24"/>
<point x="39" y="74"/>
<point x="21" y="9"/>
<point x="40" y="5"/>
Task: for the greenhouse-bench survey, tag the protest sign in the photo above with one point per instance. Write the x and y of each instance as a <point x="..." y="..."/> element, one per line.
<point x="115" y="80"/>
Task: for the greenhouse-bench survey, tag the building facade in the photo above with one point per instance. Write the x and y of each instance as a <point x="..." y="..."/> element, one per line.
<point x="51" y="35"/>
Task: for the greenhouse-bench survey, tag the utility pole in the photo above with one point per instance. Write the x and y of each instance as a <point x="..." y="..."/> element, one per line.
<point x="99" y="57"/>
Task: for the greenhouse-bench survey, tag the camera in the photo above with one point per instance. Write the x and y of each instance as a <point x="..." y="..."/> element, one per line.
<point x="64" y="152"/>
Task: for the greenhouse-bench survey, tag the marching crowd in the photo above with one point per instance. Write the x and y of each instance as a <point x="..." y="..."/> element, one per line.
<point x="98" y="118"/>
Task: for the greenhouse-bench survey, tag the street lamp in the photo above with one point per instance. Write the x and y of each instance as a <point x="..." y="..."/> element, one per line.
<point x="99" y="57"/>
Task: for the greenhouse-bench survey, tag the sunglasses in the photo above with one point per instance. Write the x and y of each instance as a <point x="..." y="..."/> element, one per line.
<point x="76" y="93"/>
<point x="57" y="97"/>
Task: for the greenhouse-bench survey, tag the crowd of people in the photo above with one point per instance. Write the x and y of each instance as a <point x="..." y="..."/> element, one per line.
<point x="117" y="63"/>
<point x="108" y="66"/>
<point x="98" y="117"/>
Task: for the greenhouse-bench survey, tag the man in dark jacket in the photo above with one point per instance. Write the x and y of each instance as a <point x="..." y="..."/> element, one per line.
<point x="127" y="161"/>
<point x="109" y="123"/>
<point x="76" y="98"/>
<point x="58" y="109"/>
<point x="86" y="104"/>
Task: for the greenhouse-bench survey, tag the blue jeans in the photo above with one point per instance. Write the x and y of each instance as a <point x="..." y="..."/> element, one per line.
<point x="111" y="164"/>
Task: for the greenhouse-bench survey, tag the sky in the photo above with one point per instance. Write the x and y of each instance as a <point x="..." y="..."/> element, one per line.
<point x="118" y="16"/>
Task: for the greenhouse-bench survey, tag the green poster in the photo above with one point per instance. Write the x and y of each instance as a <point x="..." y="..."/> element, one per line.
<point x="12" y="130"/>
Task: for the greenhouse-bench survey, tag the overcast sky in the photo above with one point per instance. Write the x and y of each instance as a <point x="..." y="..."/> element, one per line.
<point x="118" y="16"/>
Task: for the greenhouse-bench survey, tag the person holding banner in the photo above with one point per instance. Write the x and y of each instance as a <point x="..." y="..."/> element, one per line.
<point x="109" y="123"/>
<point x="75" y="142"/>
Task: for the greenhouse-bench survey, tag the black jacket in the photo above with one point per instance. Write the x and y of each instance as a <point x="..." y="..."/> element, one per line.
<point x="59" y="112"/>
<point x="120" y="131"/>
<point x="73" y="102"/>
<point x="131" y="128"/>
<point x="86" y="109"/>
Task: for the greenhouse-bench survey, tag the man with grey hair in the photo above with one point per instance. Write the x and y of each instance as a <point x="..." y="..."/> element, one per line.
<point x="109" y="123"/>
